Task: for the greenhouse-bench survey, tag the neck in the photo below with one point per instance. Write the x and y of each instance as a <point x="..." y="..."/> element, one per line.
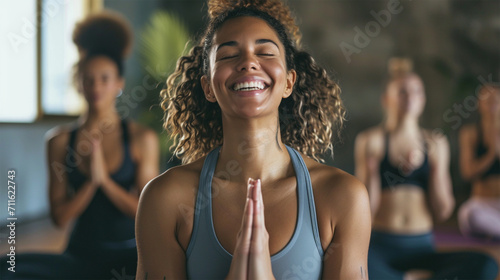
<point x="252" y="148"/>
<point x="93" y="119"/>
<point x="405" y="124"/>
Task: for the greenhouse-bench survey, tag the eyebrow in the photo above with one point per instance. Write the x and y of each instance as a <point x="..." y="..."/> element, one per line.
<point x="258" y="42"/>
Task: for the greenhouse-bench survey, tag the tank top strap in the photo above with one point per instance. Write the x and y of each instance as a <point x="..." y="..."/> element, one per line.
<point x="386" y="144"/>
<point x="72" y="136"/>
<point x="305" y="195"/>
<point x="207" y="174"/>
<point x="202" y="210"/>
<point x="208" y="259"/>
<point x="126" y="141"/>
<point x="125" y="131"/>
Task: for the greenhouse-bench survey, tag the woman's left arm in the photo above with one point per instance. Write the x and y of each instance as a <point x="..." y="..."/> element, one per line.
<point x="346" y="256"/>
<point x="440" y="187"/>
<point x="147" y="169"/>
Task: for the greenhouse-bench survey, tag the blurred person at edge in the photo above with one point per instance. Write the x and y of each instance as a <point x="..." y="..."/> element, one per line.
<point x="98" y="166"/>
<point x="406" y="171"/>
<point x="480" y="164"/>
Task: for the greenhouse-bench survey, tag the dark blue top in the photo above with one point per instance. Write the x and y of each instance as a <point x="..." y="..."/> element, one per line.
<point x="392" y="176"/>
<point x="101" y="225"/>
<point x="301" y="258"/>
<point x="480" y="151"/>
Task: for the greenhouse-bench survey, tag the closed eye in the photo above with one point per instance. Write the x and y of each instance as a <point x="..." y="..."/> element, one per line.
<point x="227" y="57"/>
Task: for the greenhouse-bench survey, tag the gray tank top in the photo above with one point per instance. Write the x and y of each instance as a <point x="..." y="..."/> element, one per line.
<point x="301" y="258"/>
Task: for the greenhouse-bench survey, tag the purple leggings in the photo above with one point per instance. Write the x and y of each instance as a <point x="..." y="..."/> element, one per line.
<point x="480" y="217"/>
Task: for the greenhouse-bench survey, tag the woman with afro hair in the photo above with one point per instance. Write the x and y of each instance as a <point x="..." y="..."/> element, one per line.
<point x="97" y="166"/>
<point x="251" y="114"/>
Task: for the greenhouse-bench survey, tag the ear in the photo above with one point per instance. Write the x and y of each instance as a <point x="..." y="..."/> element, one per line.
<point x="290" y="81"/>
<point x="207" y="89"/>
<point x="120" y="84"/>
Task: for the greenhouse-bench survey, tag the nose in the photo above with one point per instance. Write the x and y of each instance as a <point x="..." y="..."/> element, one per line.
<point x="92" y="86"/>
<point x="248" y="62"/>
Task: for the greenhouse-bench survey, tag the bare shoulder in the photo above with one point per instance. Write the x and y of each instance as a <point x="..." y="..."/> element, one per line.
<point x="334" y="188"/>
<point x="59" y="135"/>
<point x="372" y="139"/>
<point x="142" y="134"/>
<point x="175" y="183"/>
<point x="437" y="142"/>
<point x="173" y="189"/>
<point x="144" y="141"/>
<point x="374" y="131"/>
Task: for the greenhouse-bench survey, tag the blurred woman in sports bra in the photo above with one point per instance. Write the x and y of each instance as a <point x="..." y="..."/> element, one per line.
<point x="97" y="166"/>
<point x="406" y="171"/>
<point x="480" y="165"/>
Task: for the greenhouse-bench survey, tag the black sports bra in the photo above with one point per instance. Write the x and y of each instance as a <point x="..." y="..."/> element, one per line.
<point x="392" y="176"/>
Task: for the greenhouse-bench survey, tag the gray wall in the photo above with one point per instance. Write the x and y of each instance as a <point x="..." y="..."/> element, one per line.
<point x="22" y="148"/>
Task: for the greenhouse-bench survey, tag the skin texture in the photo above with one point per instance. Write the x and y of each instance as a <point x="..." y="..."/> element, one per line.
<point x="405" y="209"/>
<point x="253" y="228"/>
<point x="472" y="166"/>
<point x="99" y="149"/>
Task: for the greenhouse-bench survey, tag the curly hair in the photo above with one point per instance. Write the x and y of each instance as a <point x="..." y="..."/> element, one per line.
<point x="308" y="118"/>
<point x="104" y="31"/>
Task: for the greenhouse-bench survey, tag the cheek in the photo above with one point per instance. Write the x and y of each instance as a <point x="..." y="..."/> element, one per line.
<point x="394" y="101"/>
<point x="277" y="72"/>
<point x="219" y="74"/>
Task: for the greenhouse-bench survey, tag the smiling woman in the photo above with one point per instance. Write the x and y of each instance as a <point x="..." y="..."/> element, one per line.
<point x="251" y="115"/>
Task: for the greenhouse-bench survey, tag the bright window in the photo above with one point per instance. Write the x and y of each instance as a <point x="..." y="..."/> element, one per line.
<point x="18" y="82"/>
<point x="36" y="70"/>
<point x="59" y="54"/>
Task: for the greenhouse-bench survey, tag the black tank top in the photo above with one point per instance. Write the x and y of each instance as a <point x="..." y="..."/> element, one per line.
<point x="102" y="225"/>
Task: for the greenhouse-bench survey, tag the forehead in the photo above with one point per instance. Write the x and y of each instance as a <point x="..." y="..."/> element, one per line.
<point x="408" y="81"/>
<point x="100" y="62"/>
<point x="245" y="27"/>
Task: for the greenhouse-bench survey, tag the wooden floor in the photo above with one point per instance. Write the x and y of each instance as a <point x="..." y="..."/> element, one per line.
<point x="37" y="236"/>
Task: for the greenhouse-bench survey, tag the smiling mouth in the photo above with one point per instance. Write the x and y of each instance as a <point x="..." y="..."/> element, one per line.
<point x="249" y="86"/>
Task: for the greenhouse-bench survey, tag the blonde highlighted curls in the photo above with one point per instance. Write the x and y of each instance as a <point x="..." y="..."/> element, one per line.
<point x="308" y="118"/>
<point x="275" y="8"/>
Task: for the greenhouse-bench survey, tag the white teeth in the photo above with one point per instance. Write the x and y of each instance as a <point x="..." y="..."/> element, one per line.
<point x="246" y="86"/>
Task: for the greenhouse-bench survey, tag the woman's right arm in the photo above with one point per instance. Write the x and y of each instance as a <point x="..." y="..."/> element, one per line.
<point x="62" y="207"/>
<point x="472" y="166"/>
<point x="160" y="255"/>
